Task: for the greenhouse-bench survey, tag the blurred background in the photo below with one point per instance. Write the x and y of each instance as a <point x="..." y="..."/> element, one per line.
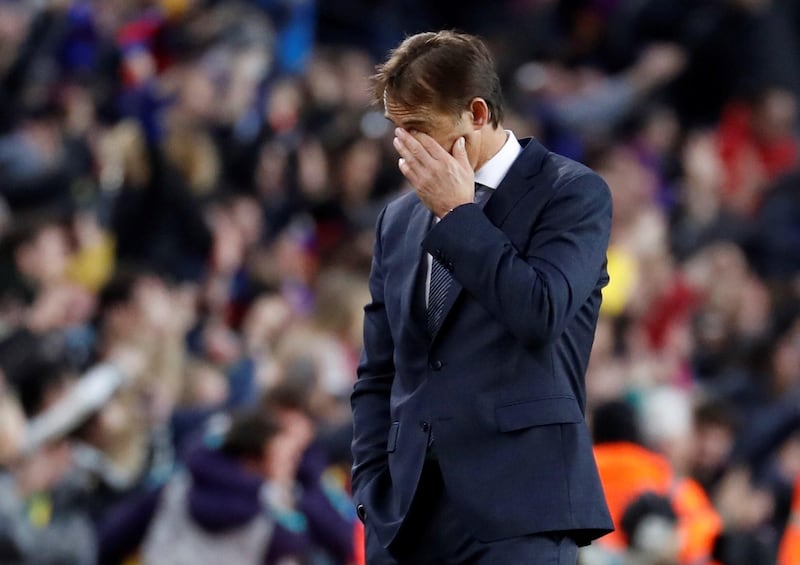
<point x="188" y="190"/>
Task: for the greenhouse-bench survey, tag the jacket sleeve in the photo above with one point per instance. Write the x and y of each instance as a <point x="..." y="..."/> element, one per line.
<point x="124" y="527"/>
<point x="326" y="506"/>
<point x="535" y="292"/>
<point x="371" y="392"/>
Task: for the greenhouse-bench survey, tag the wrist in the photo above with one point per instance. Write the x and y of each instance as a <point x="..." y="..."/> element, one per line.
<point x="453" y="208"/>
<point x="279" y="495"/>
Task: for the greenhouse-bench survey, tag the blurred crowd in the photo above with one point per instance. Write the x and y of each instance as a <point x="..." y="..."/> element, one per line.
<point x="188" y="190"/>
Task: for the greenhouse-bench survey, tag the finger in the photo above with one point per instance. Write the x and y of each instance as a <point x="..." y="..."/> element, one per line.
<point x="402" y="164"/>
<point x="410" y="174"/>
<point x="414" y="150"/>
<point x="405" y="168"/>
<point x="460" y="153"/>
<point x="402" y="149"/>
<point x="405" y="150"/>
<point x="408" y="164"/>
<point x="433" y="148"/>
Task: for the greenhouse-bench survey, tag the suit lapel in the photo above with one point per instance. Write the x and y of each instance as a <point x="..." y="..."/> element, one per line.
<point x="513" y="187"/>
<point x="414" y="258"/>
<point x="517" y="182"/>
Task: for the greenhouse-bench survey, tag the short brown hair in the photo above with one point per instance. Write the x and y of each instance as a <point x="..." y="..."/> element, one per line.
<point x="250" y="429"/>
<point x="442" y="70"/>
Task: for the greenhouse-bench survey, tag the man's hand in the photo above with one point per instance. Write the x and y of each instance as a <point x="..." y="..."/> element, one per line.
<point x="442" y="181"/>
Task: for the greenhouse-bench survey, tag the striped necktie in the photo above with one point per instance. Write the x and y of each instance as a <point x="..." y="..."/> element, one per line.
<point x="441" y="279"/>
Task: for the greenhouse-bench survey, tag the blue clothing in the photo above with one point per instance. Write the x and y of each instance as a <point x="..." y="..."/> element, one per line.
<point x="500" y="385"/>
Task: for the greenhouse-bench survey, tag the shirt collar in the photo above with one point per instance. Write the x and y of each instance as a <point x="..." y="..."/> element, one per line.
<point x="494" y="170"/>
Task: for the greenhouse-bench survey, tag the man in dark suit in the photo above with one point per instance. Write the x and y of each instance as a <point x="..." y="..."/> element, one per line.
<point x="470" y="441"/>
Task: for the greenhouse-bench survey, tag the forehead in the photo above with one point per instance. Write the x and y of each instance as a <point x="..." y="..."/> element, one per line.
<point x="413" y="116"/>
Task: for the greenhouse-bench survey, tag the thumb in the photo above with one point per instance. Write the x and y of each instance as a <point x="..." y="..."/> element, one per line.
<point x="460" y="152"/>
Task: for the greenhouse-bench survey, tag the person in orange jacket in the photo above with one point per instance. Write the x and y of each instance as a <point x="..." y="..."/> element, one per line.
<point x="789" y="551"/>
<point x="628" y="470"/>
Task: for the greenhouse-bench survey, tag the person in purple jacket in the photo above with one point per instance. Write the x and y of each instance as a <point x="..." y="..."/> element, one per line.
<point x="257" y="498"/>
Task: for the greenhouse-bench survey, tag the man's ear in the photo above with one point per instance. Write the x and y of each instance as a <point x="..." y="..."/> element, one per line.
<point x="479" y="112"/>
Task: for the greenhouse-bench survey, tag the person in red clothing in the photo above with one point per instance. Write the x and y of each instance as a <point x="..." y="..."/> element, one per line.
<point x="757" y="143"/>
<point x="359" y="545"/>
<point x="628" y="470"/>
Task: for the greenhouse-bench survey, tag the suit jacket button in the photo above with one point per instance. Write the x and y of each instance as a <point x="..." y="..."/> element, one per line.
<point x="424" y="426"/>
<point x="362" y="512"/>
<point x="437" y="365"/>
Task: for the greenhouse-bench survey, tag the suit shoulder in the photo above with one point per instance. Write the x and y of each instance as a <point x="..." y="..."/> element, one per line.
<point x="562" y="172"/>
<point x="404" y="200"/>
<point x="400" y="206"/>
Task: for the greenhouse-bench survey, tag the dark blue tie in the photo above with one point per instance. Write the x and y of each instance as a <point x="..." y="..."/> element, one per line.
<point x="441" y="278"/>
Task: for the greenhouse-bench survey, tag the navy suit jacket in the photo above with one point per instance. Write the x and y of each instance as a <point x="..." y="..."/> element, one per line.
<point x="500" y="385"/>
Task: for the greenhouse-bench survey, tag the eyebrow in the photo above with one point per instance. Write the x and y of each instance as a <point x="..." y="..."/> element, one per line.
<point x="410" y="123"/>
